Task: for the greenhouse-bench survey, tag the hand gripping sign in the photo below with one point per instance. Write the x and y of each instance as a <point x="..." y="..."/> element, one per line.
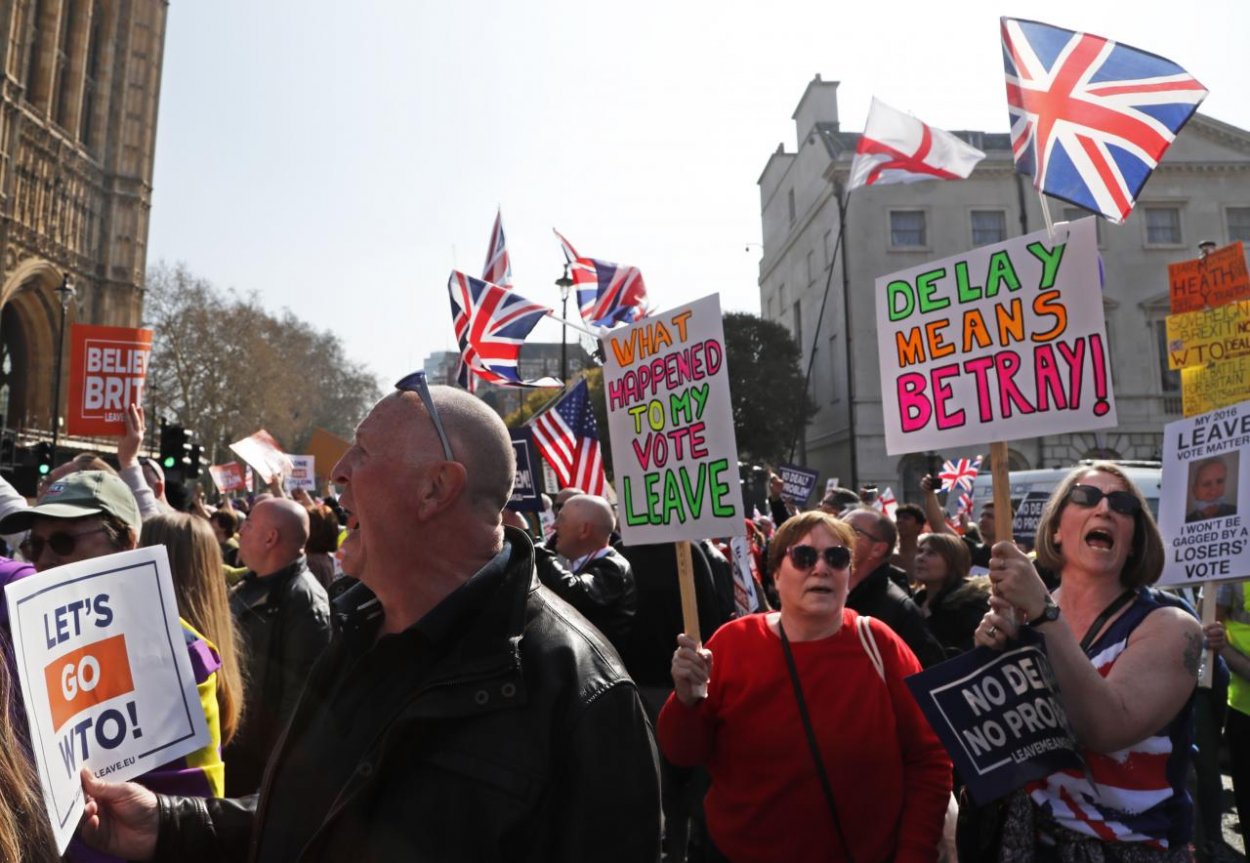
<point x="105" y="674"/>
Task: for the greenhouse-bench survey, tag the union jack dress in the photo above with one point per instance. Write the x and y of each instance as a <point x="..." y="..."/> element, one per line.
<point x="1137" y="794"/>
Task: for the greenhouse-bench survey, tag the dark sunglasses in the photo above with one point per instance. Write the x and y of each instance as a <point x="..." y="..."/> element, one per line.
<point x="61" y="543"/>
<point x="1088" y="496"/>
<point x="805" y="556"/>
<point x="415" y="383"/>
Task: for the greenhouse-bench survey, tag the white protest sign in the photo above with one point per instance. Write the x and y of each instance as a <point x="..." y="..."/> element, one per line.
<point x="105" y="674"/>
<point x="1205" y="498"/>
<point x="1004" y="342"/>
<point x="672" y="426"/>
<point x="263" y="454"/>
<point x="303" y="473"/>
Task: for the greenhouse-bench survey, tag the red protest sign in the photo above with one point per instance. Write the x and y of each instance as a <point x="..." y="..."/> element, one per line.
<point x="228" y="477"/>
<point x="1217" y="279"/>
<point x="108" y="367"/>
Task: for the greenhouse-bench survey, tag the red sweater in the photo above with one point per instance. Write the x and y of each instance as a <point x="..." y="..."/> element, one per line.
<point x="891" y="778"/>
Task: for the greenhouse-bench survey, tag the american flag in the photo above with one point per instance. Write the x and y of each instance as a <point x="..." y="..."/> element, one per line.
<point x="1090" y="118"/>
<point x="568" y="438"/>
<point x="607" y="294"/>
<point x="491" y="325"/>
<point x="959" y="473"/>
<point x="498" y="271"/>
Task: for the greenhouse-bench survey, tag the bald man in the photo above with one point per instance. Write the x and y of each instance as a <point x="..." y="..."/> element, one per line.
<point x="598" y="581"/>
<point x="461" y="713"/>
<point x="283" y="614"/>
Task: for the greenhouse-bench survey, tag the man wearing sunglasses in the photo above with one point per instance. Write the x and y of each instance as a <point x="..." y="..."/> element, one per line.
<point x="462" y="712"/>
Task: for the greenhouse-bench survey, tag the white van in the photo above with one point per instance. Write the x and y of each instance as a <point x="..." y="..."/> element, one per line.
<point x="1147" y="475"/>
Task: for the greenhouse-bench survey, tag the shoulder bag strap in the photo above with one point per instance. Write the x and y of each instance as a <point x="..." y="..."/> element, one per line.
<point x="811" y="741"/>
<point x="1107" y="613"/>
<point x="869" y="641"/>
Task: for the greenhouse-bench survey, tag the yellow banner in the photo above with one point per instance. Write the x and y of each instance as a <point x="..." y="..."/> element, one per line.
<point x="1216" y="386"/>
<point x="1218" y="334"/>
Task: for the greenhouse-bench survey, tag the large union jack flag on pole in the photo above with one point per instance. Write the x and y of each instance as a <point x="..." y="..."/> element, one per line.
<point x="960" y="473"/>
<point x="491" y="325"/>
<point x="497" y="271"/>
<point x="607" y="294"/>
<point x="568" y="437"/>
<point x="1091" y="118"/>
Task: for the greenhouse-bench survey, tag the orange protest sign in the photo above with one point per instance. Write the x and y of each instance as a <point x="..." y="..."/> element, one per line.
<point x="108" y="367"/>
<point x="90" y="675"/>
<point x="1219" y="278"/>
<point x="327" y="449"/>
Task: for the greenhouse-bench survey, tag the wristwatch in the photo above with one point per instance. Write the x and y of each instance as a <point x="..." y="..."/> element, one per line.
<point x="1050" y="612"/>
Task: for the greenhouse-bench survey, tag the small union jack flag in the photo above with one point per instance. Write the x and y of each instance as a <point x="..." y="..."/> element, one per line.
<point x="498" y="271"/>
<point x="965" y="503"/>
<point x="1090" y="118"/>
<point x="607" y="294"/>
<point x="491" y="325"/>
<point x="959" y="473"/>
<point x="568" y="437"/>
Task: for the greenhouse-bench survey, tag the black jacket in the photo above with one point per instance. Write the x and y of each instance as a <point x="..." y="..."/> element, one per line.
<point x="956" y="611"/>
<point x="524" y="741"/>
<point x="285" y="622"/>
<point x="603" y="590"/>
<point x="878" y="596"/>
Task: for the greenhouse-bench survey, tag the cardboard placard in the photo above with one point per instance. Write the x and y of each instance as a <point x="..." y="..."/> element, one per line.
<point x="105" y="674"/>
<point x="1205" y="499"/>
<point x="108" y="368"/>
<point x="1219" y="278"/>
<point x="262" y="453"/>
<point x="1028" y="515"/>
<point x="1214" y="386"/>
<point x="672" y="428"/>
<point x="799" y="482"/>
<point x="526" y="494"/>
<point x="303" y="473"/>
<point x="1004" y="342"/>
<point x="228" y="477"/>
<point x="1212" y="335"/>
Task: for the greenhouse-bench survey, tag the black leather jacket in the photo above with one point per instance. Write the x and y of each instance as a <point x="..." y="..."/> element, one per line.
<point x="603" y="590"/>
<point x="285" y="622"/>
<point x="525" y="742"/>
<point x="878" y="596"/>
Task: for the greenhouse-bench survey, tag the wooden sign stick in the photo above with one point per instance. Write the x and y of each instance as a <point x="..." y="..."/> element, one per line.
<point x="689" y="602"/>
<point x="1002" y="491"/>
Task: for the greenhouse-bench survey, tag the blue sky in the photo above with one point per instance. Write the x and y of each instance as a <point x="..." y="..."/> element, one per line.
<point x="340" y="159"/>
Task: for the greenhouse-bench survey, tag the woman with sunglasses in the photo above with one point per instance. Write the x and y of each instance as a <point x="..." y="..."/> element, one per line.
<point x="815" y="747"/>
<point x="1125" y="664"/>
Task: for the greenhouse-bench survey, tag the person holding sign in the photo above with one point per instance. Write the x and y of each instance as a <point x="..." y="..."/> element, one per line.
<point x="1125" y="663"/>
<point x="816" y="749"/>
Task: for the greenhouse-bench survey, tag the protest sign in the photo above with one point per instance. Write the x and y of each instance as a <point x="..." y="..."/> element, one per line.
<point x="1205" y="498"/>
<point x="746" y="575"/>
<point x="1028" y="514"/>
<point x="228" y="477"/>
<point x="1211" y="335"/>
<point x="105" y="674"/>
<point x="1005" y="341"/>
<point x="998" y="716"/>
<point x="327" y="449"/>
<point x="264" y="455"/>
<point x="1217" y="279"/>
<point x="526" y="495"/>
<point x="672" y="427"/>
<point x="1214" y="386"/>
<point x="831" y="484"/>
<point x="799" y="482"/>
<point x="108" y="367"/>
<point x="303" y="473"/>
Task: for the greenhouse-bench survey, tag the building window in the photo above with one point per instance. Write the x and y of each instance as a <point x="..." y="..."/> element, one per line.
<point x="907" y="229"/>
<point x="62" y="83"/>
<point x="1073" y="214"/>
<point x="988" y="226"/>
<point x="811" y="267"/>
<point x="828" y="248"/>
<point x="36" y="45"/>
<point x="781" y="300"/>
<point x="770" y="308"/>
<point x="836" y="367"/>
<point x="798" y="325"/>
<point x="790" y="198"/>
<point x="90" y="81"/>
<point x="1163" y="226"/>
<point x="1239" y="224"/>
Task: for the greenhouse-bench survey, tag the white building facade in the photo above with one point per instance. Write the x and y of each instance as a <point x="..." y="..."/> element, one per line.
<point x="1200" y="192"/>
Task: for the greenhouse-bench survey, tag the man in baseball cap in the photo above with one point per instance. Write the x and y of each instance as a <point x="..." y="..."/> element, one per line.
<point x="79" y="516"/>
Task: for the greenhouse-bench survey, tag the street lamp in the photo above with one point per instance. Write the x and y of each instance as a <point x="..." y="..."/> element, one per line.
<point x="65" y="292"/>
<point x="565" y="284"/>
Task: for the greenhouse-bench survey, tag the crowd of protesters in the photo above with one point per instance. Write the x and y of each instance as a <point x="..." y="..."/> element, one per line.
<point x="414" y="671"/>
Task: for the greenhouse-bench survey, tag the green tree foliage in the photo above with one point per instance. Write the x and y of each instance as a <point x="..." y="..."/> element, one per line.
<point x="224" y="367"/>
<point x="539" y="399"/>
<point x="770" y="403"/>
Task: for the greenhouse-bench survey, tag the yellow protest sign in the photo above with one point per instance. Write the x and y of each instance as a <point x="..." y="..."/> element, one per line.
<point x="1215" y="386"/>
<point x="1197" y="338"/>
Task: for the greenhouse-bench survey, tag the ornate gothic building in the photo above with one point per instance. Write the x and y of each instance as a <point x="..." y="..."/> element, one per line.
<point x="78" y="104"/>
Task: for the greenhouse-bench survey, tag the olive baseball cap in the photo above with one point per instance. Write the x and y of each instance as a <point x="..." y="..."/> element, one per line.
<point x="86" y="492"/>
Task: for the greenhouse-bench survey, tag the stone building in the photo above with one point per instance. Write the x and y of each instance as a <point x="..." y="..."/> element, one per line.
<point x="1201" y="191"/>
<point x="81" y="80"/>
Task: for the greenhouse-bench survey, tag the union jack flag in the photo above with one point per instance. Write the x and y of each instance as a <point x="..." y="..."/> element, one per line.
<point x="1090" y="118"/>
<point x="960" y="473"/>
<point x="491" y="325"/>
<point x="498" y="271"/>
<point x="607" y="294"/>
<point x="568" y="437"/>
<point x="965" y="503"/>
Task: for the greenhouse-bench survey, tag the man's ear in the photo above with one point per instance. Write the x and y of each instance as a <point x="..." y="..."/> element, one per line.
<point x="440" y="487"/>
